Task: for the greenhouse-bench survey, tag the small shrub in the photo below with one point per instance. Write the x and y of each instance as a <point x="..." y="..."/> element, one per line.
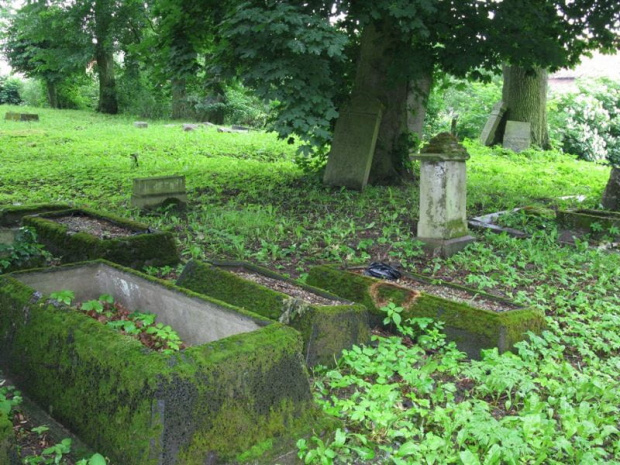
<point x="10" y="90"/>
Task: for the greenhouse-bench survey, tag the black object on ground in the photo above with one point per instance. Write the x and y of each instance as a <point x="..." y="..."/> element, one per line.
<point x="382" y="271"/>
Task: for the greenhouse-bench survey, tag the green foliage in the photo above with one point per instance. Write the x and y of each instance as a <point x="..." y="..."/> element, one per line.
<point x="65" y="296"/>
<point x="25" y="250"/>
<point x="10" y="89"/>
<point x="587" y="123"/>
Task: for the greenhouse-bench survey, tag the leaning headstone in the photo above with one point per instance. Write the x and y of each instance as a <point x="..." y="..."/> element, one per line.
<point x="353" y="146"/>
<point x="490" y="128"/>
<point x="141" y="124"/>
<point x="442" y="226"/>
<point x="517" y="136"/>
<point x="152" y="192"/>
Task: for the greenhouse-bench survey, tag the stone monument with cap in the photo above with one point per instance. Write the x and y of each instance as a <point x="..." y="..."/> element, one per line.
<point x="442" y="226"/>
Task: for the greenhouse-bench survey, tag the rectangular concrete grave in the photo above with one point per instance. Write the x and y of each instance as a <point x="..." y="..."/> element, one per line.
<point x="488" y="223"/>
<point x="353" y="145"/>
<point x="153" y="192"/>
<point x="19" y="250"/>
<point x="597" y="223"/>
<point x="472" y="327"/>
<point x="327" y="323"/>
<point x="11" y="215"/>
<point x="69" y="234"/>
<point x="490" y="128"/>
<point x="517" y="136"/>
<point x="12" y="116"/>
<point x="242" y="380"/>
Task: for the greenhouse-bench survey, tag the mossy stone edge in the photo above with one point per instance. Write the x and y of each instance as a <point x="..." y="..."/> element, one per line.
<point x="325" y="330"/>
<point x="471" y="328"/>
<point x="12" y="215"/>
<point x="136" y="251"/>
<point x="208" y="402"/>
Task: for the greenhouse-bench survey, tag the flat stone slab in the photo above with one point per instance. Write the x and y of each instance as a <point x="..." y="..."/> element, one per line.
<point x="11" y="116"/>
<point x="487" y="222"/>
<point x="597" y="223"/>
<point x="141" y="124"/>
<point x="472" y="328"/>
<point x="241" y="381"/>
<point x="487" y="137"/>
<point x="328" y="324"/>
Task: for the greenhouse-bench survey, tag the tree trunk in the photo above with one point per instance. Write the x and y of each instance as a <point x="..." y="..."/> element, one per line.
<point x="107" y="84"/>
<point x="611" y="196"/>
<point x="525" y="96"/>
<point x="52" y="93"/>
<point x="417" y="101"/>
<point x="179" y="102"/>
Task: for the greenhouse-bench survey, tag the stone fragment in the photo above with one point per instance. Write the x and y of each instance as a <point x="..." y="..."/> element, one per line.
<point x="490" y="128"/>
<point x="190" y="127"/>
<point x="141" y="124"/>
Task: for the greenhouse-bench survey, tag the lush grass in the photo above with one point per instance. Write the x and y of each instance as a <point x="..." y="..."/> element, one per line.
<point x="556" y="402"/>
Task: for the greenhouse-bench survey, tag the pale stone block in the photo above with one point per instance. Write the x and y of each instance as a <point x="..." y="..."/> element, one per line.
<point x="490" y="128"/>
<point x="150" y="192"/>
<point x="517" y="136"/>
<point x="141" y="124"/>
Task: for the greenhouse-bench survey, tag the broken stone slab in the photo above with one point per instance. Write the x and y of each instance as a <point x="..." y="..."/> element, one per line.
<point x="353" y="144"/>
<point x="596" y="223"/>
<point x="12" y="116"/>
<point x="232" y="130"/>
<point x="141" y="124"/>
<point x="517" y="136"/>
<point x="237" y="127"/>
<point x="326" y="329"/>
<point x="190" y="127"/>
<point x="471" y="328"/>
<point x="241" y="378"/>
<point x="490" y="128"/>
<point x="487" y="222"/>
<point x="140" y="247"/>
<point x="157" y="191"/>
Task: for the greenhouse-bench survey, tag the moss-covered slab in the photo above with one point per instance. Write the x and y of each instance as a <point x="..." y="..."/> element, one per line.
<point x="472" y="328"/>
<point x="11" y="215"/>
<point x="587" y="221"/>
<point x="219" y="397"/>
<point x="326" y="329"/>
<point x="139" y="248"/>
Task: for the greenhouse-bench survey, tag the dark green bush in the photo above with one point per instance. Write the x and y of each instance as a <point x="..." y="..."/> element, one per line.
<point x="10" y="90"/>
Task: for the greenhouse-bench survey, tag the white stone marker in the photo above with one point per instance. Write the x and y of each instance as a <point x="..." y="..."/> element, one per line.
<point x="517" y="136"/>
<point x="443" y="191"/>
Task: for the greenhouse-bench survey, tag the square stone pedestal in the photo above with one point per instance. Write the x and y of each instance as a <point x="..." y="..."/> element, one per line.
<point x="445" y="247"/>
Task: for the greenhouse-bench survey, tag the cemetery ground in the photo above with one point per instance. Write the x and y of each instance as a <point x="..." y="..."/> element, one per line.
<point x="411" y="399"/>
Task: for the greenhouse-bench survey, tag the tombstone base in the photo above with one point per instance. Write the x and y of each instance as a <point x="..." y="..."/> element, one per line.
<point x="445" y="247"/>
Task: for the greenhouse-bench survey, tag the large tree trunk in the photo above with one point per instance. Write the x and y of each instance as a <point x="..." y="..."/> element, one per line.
<point x="375" y="79"/>
<point x="179" y="102"/>
<point x="417" y="101"/>
<point x="107" y="84"/>
<point x="611" y="196"/>
<point x="525" y="96"/>
<point x="52" y="93"/>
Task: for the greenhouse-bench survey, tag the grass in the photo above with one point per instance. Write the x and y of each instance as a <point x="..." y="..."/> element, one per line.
<point x="556" y="401"/>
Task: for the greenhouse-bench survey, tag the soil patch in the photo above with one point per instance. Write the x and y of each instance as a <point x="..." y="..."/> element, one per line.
<point x="102" y="229"/>
<point x="286" y="288"/>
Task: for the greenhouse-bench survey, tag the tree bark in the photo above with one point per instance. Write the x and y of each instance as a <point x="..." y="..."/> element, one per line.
<point x="525" y="96"/>
<point x="52" y="93"/>
<point x="417" y="101"/>
<point x="179" y="94"/>
<point x="107" y="83"/>
<point x="611" y="196"/>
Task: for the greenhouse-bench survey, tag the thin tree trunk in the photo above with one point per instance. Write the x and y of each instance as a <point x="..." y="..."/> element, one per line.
<point x="179" y="102"/>
<point x="525" y="96"/>
<point x="417" y="100"/>
<point x="107" y="84"/>
<point x="52" y="93"/>
<point x="611" y="196"/>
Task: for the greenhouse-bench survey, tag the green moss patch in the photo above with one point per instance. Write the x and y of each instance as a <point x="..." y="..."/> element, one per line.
<point x="141" y="248"/>
<point x="470" y="327"/>
<point x="325" y="329"/>
<point x="205" y="404"/>
<point x="11" y="215"/>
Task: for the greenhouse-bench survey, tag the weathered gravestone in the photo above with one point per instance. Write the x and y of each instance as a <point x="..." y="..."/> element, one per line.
<point x="151" y="192"/>
<point x="11" y="116"/>
<point x="443" y="191"/>
<point x="490" y="128"/>
<point x="517" y="136"/>
<point x="354" y="143"/>
<point x="141" y="124"/>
